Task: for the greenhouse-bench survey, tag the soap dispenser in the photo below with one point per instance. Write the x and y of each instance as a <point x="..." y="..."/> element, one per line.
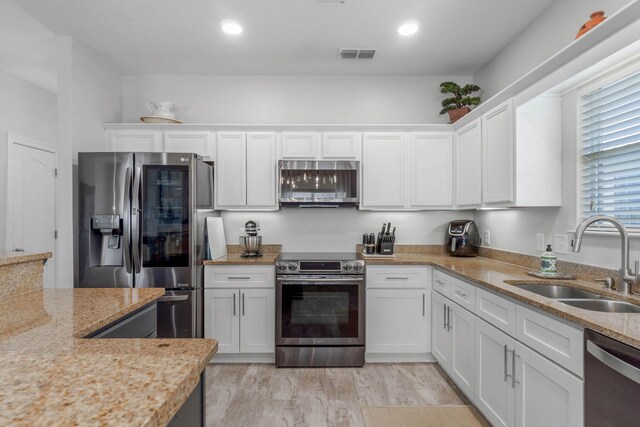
<point x="548" y="261"/>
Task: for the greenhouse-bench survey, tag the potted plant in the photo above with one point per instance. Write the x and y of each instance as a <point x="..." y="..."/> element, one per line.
<point x="458" y="104"/>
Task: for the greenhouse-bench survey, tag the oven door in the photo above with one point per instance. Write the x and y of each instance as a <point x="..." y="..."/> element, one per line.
<point x="317" y="311"/>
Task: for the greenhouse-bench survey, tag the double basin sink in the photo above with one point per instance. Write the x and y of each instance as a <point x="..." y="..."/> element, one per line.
<point x="579" y="298"/>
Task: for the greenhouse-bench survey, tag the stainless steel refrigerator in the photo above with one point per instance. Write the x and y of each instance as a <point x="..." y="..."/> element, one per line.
<point x="141" y="224"/>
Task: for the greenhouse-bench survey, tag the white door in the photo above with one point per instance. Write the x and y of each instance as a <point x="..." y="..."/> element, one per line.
<point x="495" y="396"/>
<point x="231" y="170"/>
<point x="261" y="170"/>
<point x="299" y="145"/>
<point x="497" y="155"/>
<point x="257" y="322"/>
<point x="133" y="140"/>
<point x="222" y="318"/>
<point x="441" y="342"/>
<point x="431" y="166"/>
<point x="397" y="321"/>
<point x="199" y="142"/>
<point x="341" y="145"/>
<point x="546" y="394"/>
<point x="32" y="202"/>
<point x="468" y="165"/>
<point x="382" y="171"/>
<point x="463" y="354"/>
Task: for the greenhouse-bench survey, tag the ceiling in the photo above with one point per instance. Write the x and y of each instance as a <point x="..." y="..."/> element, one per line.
<point x="456" y="37"/>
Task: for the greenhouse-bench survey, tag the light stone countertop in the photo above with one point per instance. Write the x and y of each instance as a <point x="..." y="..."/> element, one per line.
<point x="7" y="258"/>
<point x="500" y="277"/>
<point x="51" y="375"/>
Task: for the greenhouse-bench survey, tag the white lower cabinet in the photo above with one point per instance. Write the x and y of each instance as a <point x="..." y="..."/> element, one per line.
<point x="257" y="326"/>
<point x="221" y="318"/>
<point x="453" y="343"/>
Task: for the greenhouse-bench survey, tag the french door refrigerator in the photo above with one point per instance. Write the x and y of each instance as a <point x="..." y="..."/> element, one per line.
<point x="141" y="224"/>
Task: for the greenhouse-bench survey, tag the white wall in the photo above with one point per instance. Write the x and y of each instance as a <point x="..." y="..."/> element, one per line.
<point x="26" y="110"/>
<point x="329" y="230"/>
<point x="549" y="33"/>
<point x="89" y="94"/>
<point x="515" y="229"/>
<point x="290" y="99"/>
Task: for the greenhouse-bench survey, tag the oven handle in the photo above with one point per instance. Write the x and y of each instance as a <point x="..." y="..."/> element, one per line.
<point x="319" y="280"/>
<point x="618" y="365"/>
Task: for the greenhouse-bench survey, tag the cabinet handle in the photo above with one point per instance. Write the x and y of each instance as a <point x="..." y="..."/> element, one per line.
<point x="444" y="321"/>
<point x="243" y="303"/>
<point x="513" y="369"/>
<point x="506" y="375"/>
<point x="448" y="318"/>
<point x="238" y="278"/>
<point x="397" y="278"/>
<point x="423" y="298"/>
<point x="234" y="304"/>
<point x="460" y="294"/>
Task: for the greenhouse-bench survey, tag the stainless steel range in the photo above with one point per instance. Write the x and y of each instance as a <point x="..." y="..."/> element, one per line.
<point x="320" y="303"/>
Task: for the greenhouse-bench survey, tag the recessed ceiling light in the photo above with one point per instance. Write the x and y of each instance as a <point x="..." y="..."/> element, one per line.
<point x="408" y="28"/>
<point x="231" y="27"/>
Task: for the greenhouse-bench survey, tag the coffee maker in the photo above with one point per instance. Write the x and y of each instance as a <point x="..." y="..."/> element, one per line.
<point x="462" y="238"/>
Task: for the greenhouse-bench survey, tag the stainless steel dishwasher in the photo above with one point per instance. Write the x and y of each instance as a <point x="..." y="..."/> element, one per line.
<point x="611" y="382"/>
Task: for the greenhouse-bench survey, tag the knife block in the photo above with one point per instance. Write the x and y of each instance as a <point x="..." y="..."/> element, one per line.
<point x="386" y="245"/>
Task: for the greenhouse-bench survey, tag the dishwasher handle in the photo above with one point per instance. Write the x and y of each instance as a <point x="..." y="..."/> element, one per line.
<point x="618" y="365"/>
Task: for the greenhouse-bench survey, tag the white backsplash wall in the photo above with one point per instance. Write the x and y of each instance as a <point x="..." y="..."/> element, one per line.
<point x="331" y="230"/>
<point x="265" y="99"/>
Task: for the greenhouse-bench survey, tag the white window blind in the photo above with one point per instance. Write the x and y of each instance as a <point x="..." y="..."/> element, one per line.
<point x="609" y="134"/>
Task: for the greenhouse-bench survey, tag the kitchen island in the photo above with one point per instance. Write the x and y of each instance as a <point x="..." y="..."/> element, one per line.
<point x="52" y="375"/>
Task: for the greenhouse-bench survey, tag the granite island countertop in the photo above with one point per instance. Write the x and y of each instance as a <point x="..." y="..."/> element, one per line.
<point x="51" y="375"/>
<point x="7" y="258"/>
<point x="500" y="277"/>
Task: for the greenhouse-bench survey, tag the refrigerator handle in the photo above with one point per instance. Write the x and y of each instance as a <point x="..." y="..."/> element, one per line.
<point x="135" y="220"/>
<point x="127" y="220"/>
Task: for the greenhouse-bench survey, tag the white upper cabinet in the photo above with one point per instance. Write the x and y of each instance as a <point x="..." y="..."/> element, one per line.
<point x="468" y="176"/>
<point x="383" y="171"/>
<point x="431" y="167"/>
<point x="140" y="140"/>
<point x="497" y="155"/>
<point x="300" y="145"/>
<point x="231" y="170"/>
<point x="341" y="145"/>
<point x="246" y="171"/>
<point x="261" y="170"/>
<point x="199" y="142"/>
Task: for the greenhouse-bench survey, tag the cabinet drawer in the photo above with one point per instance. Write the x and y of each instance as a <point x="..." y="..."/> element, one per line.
<point x="463" y="293"/>
<point x="407" y="277"/>
<point x="498" y="311"/>
<point x="552" y="338"/>
<point x="238" y="276"/>
<point x="441" y="283"/>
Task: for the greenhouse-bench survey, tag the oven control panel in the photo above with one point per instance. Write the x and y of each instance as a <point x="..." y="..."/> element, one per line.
<point x="327" y="267"/>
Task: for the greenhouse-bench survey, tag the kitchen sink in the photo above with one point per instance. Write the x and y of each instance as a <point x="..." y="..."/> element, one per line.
<point x="557" y="291"/>
<point x="605" y="305"/>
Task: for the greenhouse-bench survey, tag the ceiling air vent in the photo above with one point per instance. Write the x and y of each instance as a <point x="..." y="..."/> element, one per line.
<point x="356" y="53"/>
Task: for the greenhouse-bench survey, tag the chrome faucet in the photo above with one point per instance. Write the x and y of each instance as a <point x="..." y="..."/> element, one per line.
<point x="627" y="278"/>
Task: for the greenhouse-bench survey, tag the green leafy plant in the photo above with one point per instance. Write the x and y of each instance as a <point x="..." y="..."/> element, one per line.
<point x="461" y="96"/>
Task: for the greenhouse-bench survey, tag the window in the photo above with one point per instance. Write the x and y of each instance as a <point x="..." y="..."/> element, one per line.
<point x="609" y="138"/>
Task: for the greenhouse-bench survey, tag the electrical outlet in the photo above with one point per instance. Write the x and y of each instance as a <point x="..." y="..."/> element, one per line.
<point x="560" y="243"/>
<point x="540" y="242"/>
<point x="487" y="238"/>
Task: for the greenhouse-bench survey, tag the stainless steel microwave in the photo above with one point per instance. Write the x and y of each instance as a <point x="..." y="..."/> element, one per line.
<point x="318" y="183"/>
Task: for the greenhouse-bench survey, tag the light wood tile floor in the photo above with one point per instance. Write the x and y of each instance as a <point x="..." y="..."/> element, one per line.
<point x="255" y="395"/>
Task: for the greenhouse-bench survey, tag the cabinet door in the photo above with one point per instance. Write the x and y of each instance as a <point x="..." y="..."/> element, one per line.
<point x="199" y="142"/>
<point x="463" y="361"/>
<point x="299" y="145"/>
<point x="257" y="322"/>
<point x="546" y="394"/>
<point x="133" y="140"/>
<point x="261" y="170"/>
<point x="222" y="318"/>
<point x="383" y="170"/>
<point x="231" y="170"/>
<point x="441" y="343"/>
<point x="431" y="165"/>
<point x="495" y="396"/>
<point x="497" y="155"/>
<point x="468" y="165"/>
<point x="397" y="321"/>
<point x="341" y="145"/>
